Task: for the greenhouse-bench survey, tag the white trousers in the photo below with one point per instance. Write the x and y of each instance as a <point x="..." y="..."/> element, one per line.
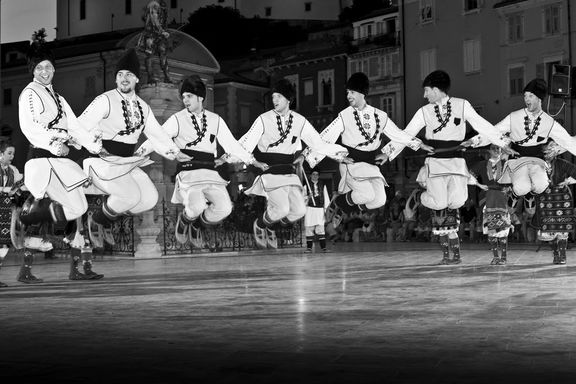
<point x="131" y="193"/>
<point x="73" y="202"/>
<point x="286" y="202"/>
<point x="450" y="191"/>
<point x="211" y="199"/>
<point x="529" y="178"/>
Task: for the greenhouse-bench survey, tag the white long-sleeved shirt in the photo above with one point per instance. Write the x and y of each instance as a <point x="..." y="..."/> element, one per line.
<point x="201" y="137"/>
<point x="528" y="130"/>
<point x="123" y="119"/>
<point x="47" y="120"/>
<point x="446" y="121"/>
<point x="363" y="130"/>
<point x="273" y="133"/>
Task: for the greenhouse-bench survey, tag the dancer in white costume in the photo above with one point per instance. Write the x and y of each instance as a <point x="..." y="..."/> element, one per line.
<point x="445" y="175"/>
<point x="362" y="130"/>
<point x="121" y="117"/>
<point x="199" y="187"/>
<point x="55" y="181"/>
<point x="279" y="134"/>
<point x="529" y="130"/>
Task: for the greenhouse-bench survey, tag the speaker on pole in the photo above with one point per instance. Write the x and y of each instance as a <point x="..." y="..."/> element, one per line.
<point x="559" y="76"/>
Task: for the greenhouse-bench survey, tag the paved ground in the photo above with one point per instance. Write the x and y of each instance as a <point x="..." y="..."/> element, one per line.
<point x="366" y="313"/>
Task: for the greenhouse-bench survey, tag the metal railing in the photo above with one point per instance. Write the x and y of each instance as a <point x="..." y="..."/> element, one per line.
<point x="232" y="234"/>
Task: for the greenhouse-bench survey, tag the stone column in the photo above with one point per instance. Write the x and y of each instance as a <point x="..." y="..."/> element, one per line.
<point x="164" y="101"/>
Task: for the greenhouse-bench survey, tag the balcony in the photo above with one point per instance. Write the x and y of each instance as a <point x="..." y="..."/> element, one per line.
<point x="383" y="40"/>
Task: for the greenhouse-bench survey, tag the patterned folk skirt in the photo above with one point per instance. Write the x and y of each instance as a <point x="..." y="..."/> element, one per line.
<point x="5" y="218"/>
<point x="445" y="221"/>
<point x="555" y="213"/>
<point x="495" y="216"/>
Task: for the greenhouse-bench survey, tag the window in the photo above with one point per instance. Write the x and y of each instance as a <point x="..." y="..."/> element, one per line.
<point x="128" y="7"/>
<point x="427" y="62"/>
<point x="373" y="67"/>
<point x="391" y="64"/>
<point x="471" y="5"/>
<point x="426" y="11"/>
<point x="7" y="96"/>
<point x="515" y="80"/>
<point x="552" y="20"/>
<point x="308" y="87"/>
<point x="268" y="11"/>
<point x="515" y="28"/>
<point x="294" y="80"/>
<point x="82" y="9"/>
<point x="173" y="4"/>
<point x="472" y="60"/>
<point x="326" y="87"/>
<point x="387" y="105"/>
<point x="307" y="7"/>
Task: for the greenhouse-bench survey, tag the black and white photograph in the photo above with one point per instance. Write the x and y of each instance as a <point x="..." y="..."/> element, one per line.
<point x="287" y="191"/>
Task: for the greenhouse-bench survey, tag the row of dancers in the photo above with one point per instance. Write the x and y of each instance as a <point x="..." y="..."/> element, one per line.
<point x="277" y="144"/>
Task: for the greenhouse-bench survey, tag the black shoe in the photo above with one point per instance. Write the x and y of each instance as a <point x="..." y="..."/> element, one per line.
<point x="26" y="276"/>
<point x="2" y="285"/>
<point x="496" y="261"/>
<point x="75" y="274"/>
<point x="556" y="259"/>
<point x="456" y="260"/>
<point x="502" y="261"/>
<point x="444" y="261"/>
<point x="88" y="272"/>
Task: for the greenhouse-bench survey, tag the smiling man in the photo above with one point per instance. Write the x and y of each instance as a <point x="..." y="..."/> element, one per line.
<point x="120" y="117"/>
<point x="54" y="180"/>
<point x="362" y="129"/>
<point x="530" y="129"/>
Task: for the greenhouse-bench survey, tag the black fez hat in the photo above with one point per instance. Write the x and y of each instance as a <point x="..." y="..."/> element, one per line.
<point x="537" y="87"/>
<point x="129" y="62"/>
<point x="438" y="79"/>
<point x="195" y="85"/>
<point x="358" y="82"/>
<point x="285" y="88"/>
<point x="37" y="53"/>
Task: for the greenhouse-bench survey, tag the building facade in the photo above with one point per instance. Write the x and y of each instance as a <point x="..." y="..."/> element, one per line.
<point x="85" y="17"/>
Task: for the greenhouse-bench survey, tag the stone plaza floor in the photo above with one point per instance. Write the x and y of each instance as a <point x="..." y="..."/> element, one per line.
<point x="363" y="313"/>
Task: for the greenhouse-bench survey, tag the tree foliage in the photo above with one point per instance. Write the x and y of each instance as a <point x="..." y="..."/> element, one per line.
<point x="226" y="33"/>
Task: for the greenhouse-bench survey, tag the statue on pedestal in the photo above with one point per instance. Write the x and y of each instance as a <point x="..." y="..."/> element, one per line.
<point x="154" y="39"/>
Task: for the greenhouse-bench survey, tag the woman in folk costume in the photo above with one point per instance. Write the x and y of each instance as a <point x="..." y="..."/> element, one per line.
<point x="314" y="220"/>
<point x="11" y="182"/>
<point x="445" y="175"/>
<point x="54" y="180"/>
<point x="121" y="117"/>
<point x="529" y="130"/>
<point x="496" y="221"/>
<point x="199" y="187"/>
<point x="555" y="217"/>
<point x="361" y="129"/>
<point x="279" y="134"/>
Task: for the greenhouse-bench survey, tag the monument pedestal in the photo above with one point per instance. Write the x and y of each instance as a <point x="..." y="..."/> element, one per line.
<point x="164" y="101"/>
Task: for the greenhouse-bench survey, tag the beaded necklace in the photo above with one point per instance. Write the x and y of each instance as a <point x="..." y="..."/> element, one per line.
<point x="369" y="139"/>
<point x="56" y="99"/>
<point x="199" y="132"/>
<point x="130" y="129"/>
<point x="283" y="133"/>
<point x="530" y="132"/>
<point x="442" y="121"/>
